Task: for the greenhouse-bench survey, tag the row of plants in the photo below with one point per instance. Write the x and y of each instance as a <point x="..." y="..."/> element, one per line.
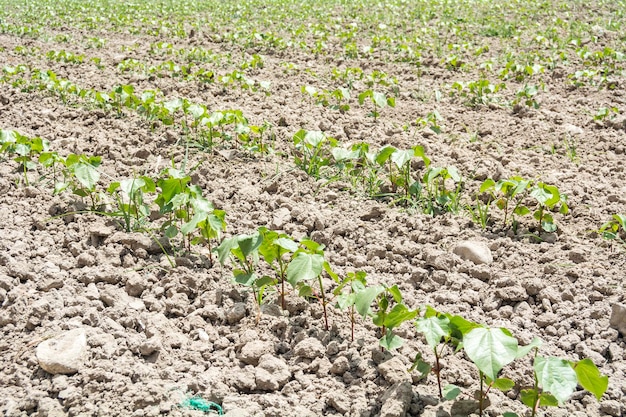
<point x="266" y="260"/>
<point x="393" y="174"/>
<point x="205" y="129"/>
<point x="183" y="215"/>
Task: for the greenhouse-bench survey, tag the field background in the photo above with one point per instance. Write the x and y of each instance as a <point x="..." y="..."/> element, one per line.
<point x="224" y="92"/>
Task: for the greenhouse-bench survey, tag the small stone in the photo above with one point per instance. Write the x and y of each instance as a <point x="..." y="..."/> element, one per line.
<point x="237" y="412"/>
<point x="202" y="335"/>
<point x="272" y="373"/>
<point x="280" y="218"/>
<point x="396" y="400"/>
<point x="394" y="371"/>
<point x="340" y="366"/>
<point x="309" y="348"/>
<point x="572" y="129"/>
<point x="252" y="351"/>
<point x="63" y="354"/>
<point x="135" y="284"/>
<point x="150" y="346"/>
<point x="375" y="212"/>
<point x="85" y="259"/>
<point x="236" y="313"/>
<point x="612" y="407"/>
<point x="476" y="252"/>
<point x="618" y="318"/>
<point x="513" y="293"/>
<point x="577" y="256"/>
<point x="339" y="401"/>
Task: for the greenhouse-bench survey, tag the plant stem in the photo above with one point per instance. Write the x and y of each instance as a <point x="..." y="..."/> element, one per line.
<point x="438" y="373"/>
<point x="319" y="278"/>
<point x="480" y="398"/>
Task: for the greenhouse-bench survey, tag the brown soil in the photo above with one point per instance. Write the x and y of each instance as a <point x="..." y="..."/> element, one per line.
<point x="62" y="272"/>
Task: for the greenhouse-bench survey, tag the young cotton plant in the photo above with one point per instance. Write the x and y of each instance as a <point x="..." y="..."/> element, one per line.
<point x="491" y="350"/>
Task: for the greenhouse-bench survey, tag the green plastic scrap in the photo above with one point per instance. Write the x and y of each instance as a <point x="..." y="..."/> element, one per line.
<point x="198" y="403"/>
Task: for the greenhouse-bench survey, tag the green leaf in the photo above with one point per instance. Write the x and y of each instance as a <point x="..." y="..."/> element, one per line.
<point x="548" y="400"/>
<point x="521" y="210"/>
<point x="529" y="397"/>
<point x="490" y="350"/>
<point x="487" y="185"/>
<point x="87" y="175"/>
<point x="398" y="315"/>
<point x="390" y="341"/>
<point x="249" y="243"/>
<point x="420" y="366"/>
<point x="433" y="328"/>
<point x="379" y="99"/>
<point x="384" y="154"/>
<point x="555" y="376"/>
<point x="304" y="267"/>
<point x="243" y="278"/>
<point x="223" y="250"/>
<point x="395" y="293"/>
<point x="503" y="384"/>
<point x="450" y="392"/>
<point x="365" y="299"/>
<point x="401" y="157"/>
<point x="590" y="378"/>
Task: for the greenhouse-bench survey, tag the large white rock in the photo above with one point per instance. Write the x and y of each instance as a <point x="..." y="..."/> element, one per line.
<point x="477" y="252"/>
<point x="618" y="318"/>
<point x="63" y="354"/>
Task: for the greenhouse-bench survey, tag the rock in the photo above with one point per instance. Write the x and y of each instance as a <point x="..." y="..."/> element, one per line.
<point x="577" y="255"/>
<point x="49" y="407"/>
<point x="463" y="408"/>
<point x="618" y="318"/>
<point x="396" y="400"/>
<point x="63" y="354"/>
<point x="572" y="129"/>
<point x="437" y="259"/>
<point x="513" y="293"/>
<point x="340" y="366"/>
<point x="476" y="252"/>
<point x="237" y="412"/>
<point x="309" y="348"/>
<point x="150" y="346"/>
<point x="251" y="352"/>
<point x="272" y="373"/>
<point x="236" y="313"/>
<point x="339" y="401"/>
<point x="394" y="371"/>
<point x="85" y="259"/>
<point x="375" y="212"/>
<point x="612" y="407"/>
<point x="135" y="284"/>
<point x="281" y="217"/>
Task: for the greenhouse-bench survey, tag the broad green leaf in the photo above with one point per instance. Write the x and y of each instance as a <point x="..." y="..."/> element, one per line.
<point x="191" y="225"/>
<point x="541" y="194"/>
<point x="314" y="138"/>
<point x="197" y="111"/>
<point x="529" y="397"/>
<point x="287" y="244"/>
<point x="304" y="267"/>
<point x="398" y="315"/>
<point x="454" y="173"/>
<point x="504" y="384"/>
<point x="490" y="350"/>
<point x="223" y="250"/>
<point x="401" y="157"/>
<point x="384" y="154"/>
<point x="590" y="378"/>
<point x="521" y="210"/>
<point x="555" y="376"/>
<point x="366" y="297"/>
<point x="87" y="175"/>
<point x="450" y="392"/>
<point x="395" y="293"/>
<point x="433" y="328"/>
<point x="462" y="326"/>
<point x="486" y="185"/>
<point x="249" y="243"/>
<point x="390" y="341"/>
<point x="379" y="99"/>
<point x="548" y="400"/>
<point x="243" y="278"/>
